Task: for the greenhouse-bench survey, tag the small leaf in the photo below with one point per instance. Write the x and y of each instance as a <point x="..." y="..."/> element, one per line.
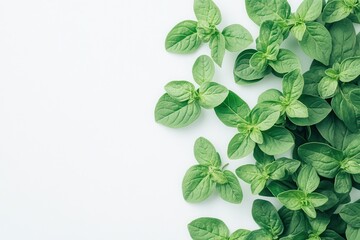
<point x="205" y="153"/>
<point x="208" y="228"/>
<point x="203" y="69"/>
<point x="236" y="38"/>
<point x="212" y="94"/>
<point x="217" y="46"/>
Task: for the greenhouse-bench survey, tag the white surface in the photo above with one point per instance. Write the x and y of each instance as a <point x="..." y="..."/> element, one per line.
<point x="81" y="157"/>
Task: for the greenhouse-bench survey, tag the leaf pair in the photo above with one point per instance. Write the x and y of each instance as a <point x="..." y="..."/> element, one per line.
<point x="333" y="163"/>
<point x="304" y="198"/>
<point x="266" y="169"/>
<point x="313" y="37"/>
<point x="188" y="35"/>
<point x="255" y="126"/>
<point x="201" y="180"/>
<point x="181" y="104"/>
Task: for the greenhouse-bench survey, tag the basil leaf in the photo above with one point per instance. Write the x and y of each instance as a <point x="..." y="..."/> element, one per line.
<point x="270" y="95"/>
<point x="259" y="62"/>
<point x="352" y="233"/>
<point x="203" y="69"/>
<point x="316" y="42"/>
<point x="205" y="153"/>
<point x="236" y="37"/>
<point x="270" y="35"/>
<point x="349" y="69"/>
<point x="327" y="87"/>
<point x="308" y="180"/>
<point x="240" y="234"/>
<point x="183" y="38"/>
<point x="293" y="84"/>
<point x="240" y="146"/>
<point x="309" y="10"/>
<point x="343" y="182"/>
<point x="263" y="118"/>
<point x="298" y="31"/>
<point x="243" y="72"/>
<point x="318" y="109"/>
<point x="335" y="11"/>
<point x="197" y="184"/>
<point x="351" y="214"/>
<point x="256" y="136"/>
<point x="180" y="90"/>
<point x="309" y="210"/>
<point x="172" y="113"/>
<point x="267" y="217"/>
<point x="277" y="140"/>
<point x="331" y="235"/>
<point x="292" y="199"/>
<point x="233" y="110"/>
<point x="206" y="10"/>
<point x="343" y="40"/>
<point x="230" y="191"/>
<point x="297" y="109"/>
<point x="262" y="10"/>
<point x="248" y="172"/>
<point x="325" y="159"/>
<point x="281" y="168"/>
<point x="259" y="234"/>
<point x="217" y="46"/>
<point x="317" y="199"/>
<point x="208" y="229"/>
<point x="286" y="62"/>
<point x="319" y="224"/>
<point x="212" y="94"/>
<point x="312" y="79"/>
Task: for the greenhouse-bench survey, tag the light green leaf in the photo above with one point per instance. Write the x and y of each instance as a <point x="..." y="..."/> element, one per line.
<point x="203" y="69"/>
<point x="292" y="199"/>
<point x="335" y="11"/>
<point x="343" y="182"/>
<point x="208" y="229"/>
<point x="248" y="172"/>
<point x="243" y="72"/>
<point x="277" y="140"/>
<point x="259" y="234"/>
<point x="205" y="153"/>
<point x="263" y="118"/>
<point x="293" y="84"/>
<point x="240" y="234"/>
<point x="240" y="146"/>
<point x="317" y="199"/>
<point x="270" y="35"/>
<point x="217" y="46"/>
<point x="316" y="42"/>
<point x="230" y="191"/>
<point x="297" y="109"/>
<point x="174" y="114"/>
<point x="309" y="10"/>
<point x="180" y="90"/>
<point x="212" y="94"/>
<point x="286" y="61"/>
<point x="352" y="233"/>
<point x="256" y="136"/>
<point x="349" y="69"/>
<point x="236" y="38"/>
<point x="259" y="62"/>
<point x="197" y="184"/>
<point x="206" y="10"/>
<point x="327" y="87"/>
<point x="183" y="38"/>
<point x="308" y="180"/>
<point x="309" y="210"/>
<point x="298" y="31"/>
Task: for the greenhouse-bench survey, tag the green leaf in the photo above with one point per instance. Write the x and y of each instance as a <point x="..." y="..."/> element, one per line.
<point x="258" y="184"/>
<point x="343" y="182"/>
<point x="293" y="84"/>
<point x="243" y="72"/>
<point x="230" y="191"/>
<point x="217" y="175"/>
<point x="319" y="224"/>
<point x="350" y="213"/>
<point x="312" y="79"/>
<point x="262" y="159"/>
<point x="316" y="42"/>
<point x="180" y="90"/>
<point x="309" y="210"/>
<point x="174" y="114"/>
<point x="259" y="234"/>
<point x="327" y="87"/>
<point x="240" y="146"/>
<point x="240" y="234"/>
<point x="286" y="62"/>
<point x="297" y="109"/>
<point x="349" y="69"/>
<point x="343" y="40"/>
<point x="355" y="98"/>
<point x="262" y="10"/>
<point x="183" y="38"/>
<point x="206" y="10"/>
<point x="292" y="199"/>
<point x="263" y="118"/>
<point x="270" y="35"/>
<point x="352" y="233"/>
<point x="317" y="107"/>
<point x="259" y="62"/>
<point x="256" y="136"/>
<point x="217" y="46"/>
<point x="203" y="69"/>
<point x="317" y="199"/>
<point x="267" y="217"/>
<point x="309" y="10"/>
<point x="298" y="31"/>
<point x="335" y="11"/>
<point x="277" y="140"/>
<point x="281" y="168"/>
<point x="308" y="180"/>
<point x="212" y="94"/>
<point x="208" y="229"/>
<point x="325" y="159"/>
<point x="197" y="184"/>
<point x="233" y="110"/>
<point x="236" y="37"/>
<point x="331" y="235"/>
<point x="248" y="172"/>
<point x="205" y="153"/>
<point x="270" y="95"/>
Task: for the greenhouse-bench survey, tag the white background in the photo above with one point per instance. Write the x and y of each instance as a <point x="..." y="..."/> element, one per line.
<point x="81" y="157"/>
